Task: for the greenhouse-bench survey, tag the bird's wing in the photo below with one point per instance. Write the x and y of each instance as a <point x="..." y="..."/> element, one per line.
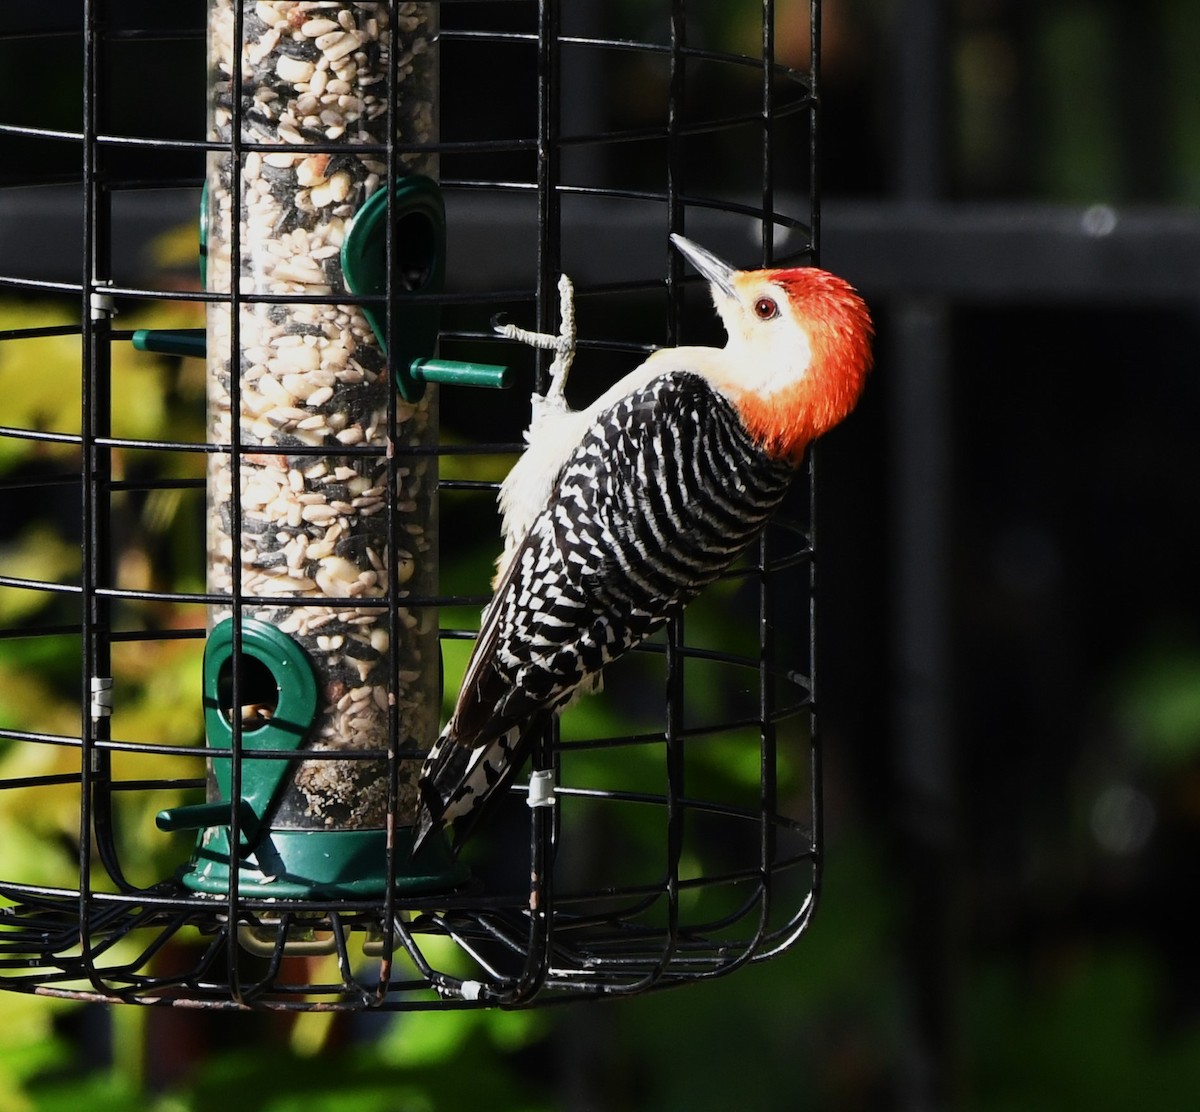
<point x="662" y="491"/>
<point x="644" y="512"/>
<point x="485" y="740"/>
<point x="482" y="690"/>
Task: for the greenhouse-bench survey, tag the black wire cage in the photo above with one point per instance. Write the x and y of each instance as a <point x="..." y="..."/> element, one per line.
<point x="225" y="641"/>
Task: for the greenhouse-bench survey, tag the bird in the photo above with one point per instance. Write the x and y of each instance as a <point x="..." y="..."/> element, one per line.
<point x="616" y="515"/>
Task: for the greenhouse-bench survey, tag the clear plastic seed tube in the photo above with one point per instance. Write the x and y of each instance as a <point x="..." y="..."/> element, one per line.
<point x="313" y="536"/>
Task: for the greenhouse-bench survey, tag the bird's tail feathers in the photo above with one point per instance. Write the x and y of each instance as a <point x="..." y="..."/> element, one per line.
<point x="457" y="779"/>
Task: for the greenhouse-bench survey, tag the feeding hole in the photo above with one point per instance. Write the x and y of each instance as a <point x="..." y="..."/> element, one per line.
<point x="258" y="693"/>
<point x="415" y="244"/>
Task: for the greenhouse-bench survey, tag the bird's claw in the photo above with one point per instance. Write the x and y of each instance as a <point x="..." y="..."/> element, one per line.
<point x="563" y="345"/>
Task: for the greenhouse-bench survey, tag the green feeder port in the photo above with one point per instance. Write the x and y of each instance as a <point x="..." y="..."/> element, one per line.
<point x="419" y="251"/>
<point x="278" y="692"/>
<point x="165" y="341"/>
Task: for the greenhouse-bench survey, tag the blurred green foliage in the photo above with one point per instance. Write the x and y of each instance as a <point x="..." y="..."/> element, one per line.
<point x="1085" y="1031"/>
<point x="39" y="675"/>
<point x="1158" y="703"/>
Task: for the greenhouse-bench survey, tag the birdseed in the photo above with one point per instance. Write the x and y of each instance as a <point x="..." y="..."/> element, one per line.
<point x="310" y="531"/>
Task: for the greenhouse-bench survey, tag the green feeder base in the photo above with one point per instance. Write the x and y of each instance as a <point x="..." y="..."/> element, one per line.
<point x="321" y="864"/>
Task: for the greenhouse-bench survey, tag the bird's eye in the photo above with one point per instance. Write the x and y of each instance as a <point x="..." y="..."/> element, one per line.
<point x="765" y="308"/>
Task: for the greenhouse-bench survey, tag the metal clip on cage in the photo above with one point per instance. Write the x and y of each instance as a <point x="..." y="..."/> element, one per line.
<point x="226" y="721"/>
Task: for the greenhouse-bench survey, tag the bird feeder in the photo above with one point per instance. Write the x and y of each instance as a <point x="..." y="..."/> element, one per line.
<point x="321" y="490"/>
<point x="350" y="261"/>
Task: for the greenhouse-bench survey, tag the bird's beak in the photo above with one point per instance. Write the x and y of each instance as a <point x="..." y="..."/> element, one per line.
<point x="719" y="273"/>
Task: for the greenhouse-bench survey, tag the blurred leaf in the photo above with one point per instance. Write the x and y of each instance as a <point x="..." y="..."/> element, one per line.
<point x="39" y="380"/>
<point x="29" y="1045"/>
<point x="38" y="553"/>
<point x="424" y="1039"/>
<point x="1159" y="704"/>
<point x="103" y="1091"/>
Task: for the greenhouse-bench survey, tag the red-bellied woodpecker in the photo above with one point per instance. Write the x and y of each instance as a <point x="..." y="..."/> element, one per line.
<point x="617" y="515"/>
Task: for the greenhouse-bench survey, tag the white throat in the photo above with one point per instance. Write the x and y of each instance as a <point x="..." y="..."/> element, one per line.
<point x="776" y="354"/>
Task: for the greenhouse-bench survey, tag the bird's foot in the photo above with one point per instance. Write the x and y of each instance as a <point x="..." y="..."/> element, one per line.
<point x="563" y="346"/>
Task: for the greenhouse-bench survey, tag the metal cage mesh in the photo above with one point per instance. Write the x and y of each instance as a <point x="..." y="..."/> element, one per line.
<point x="685" y="836"/>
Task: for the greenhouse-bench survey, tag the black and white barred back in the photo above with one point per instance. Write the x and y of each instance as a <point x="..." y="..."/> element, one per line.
<point x="662" y="493"/>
